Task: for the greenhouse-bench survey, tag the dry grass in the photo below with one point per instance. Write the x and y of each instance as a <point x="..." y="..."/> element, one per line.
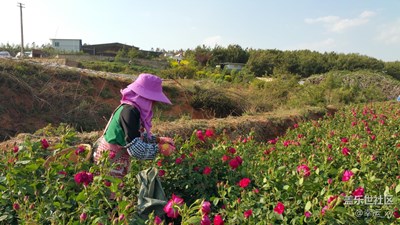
<point x="264" y="125"/>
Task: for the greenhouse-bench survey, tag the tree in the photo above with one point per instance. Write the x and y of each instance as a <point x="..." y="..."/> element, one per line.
<point x="236" y="54"/>
<point x="393" y="69"/>
<point x="263" y="62"/>
<point x="202" y="55"/>
<point x="133" y="53"/>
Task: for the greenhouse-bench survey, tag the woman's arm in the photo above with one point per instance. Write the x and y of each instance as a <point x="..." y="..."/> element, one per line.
<point x="142" y="150"/>
<point x="139" y="147"/>
<point x="130" y="122"/>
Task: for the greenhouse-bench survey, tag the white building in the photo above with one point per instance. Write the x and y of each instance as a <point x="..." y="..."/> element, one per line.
<point x="67" y="45"/>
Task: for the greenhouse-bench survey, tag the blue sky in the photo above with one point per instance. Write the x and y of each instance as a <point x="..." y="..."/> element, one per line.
<point x="367" y="27"/>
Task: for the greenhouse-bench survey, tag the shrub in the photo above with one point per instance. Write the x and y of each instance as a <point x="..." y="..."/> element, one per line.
<point x="214" y="101"/>
<point x="186" y="72"/>
<point x="310" y="175"/>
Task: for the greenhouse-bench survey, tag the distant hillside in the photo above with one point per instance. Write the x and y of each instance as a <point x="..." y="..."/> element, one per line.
<point x="389" y="86"/>
<point x="34" y="95"/>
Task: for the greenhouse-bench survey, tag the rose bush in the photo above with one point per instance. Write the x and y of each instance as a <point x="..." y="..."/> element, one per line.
<point x="320" y="172"/>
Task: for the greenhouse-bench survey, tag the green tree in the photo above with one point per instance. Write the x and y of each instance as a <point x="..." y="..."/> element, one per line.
<point x="353" y="62"/>
<point x="393" y="69"/>
<point x="202" y="55"/>
<point x="236" y="54"/>
<point x="123" y="53"/>
<point x="263" y="62"/>
<point x="133" y="53"/>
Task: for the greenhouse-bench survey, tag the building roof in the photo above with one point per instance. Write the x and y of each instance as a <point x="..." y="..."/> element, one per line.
<point x="111" y="44"/>
<point x="230" y="63"/>
<point x="66" y="39"/>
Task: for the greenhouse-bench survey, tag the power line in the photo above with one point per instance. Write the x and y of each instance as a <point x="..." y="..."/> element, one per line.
<point x="20" y="5"/>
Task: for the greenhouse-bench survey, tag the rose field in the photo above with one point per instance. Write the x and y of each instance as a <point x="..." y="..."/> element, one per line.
<point x="342" y="169"/>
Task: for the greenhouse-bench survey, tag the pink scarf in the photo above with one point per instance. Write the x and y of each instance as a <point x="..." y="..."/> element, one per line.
<point x="142" y="104"/>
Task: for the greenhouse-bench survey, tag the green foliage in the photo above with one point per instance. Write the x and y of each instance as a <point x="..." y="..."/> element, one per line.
<point x="263" y="62"/>
<point x="132" y="53"/>
<point x="306" y="63"/>
<point x="215" y="101"/>
<point x="200" y="56"/>
<point x="393" y="69"/>
<point x="273" y="94"/>
<point x="117" y="67"/>
<point x="183" y="71"/>
<point x="243" y="180"/>
<point x="341" y="88"/>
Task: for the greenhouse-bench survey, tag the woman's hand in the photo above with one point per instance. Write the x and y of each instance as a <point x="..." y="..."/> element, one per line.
<point x="166" y="149"/>
<point x="166" y="140"/>
<point x="166" y="145"/>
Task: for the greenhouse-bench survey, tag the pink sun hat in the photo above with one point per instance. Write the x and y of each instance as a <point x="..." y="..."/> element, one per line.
<point x="149" y="86"/>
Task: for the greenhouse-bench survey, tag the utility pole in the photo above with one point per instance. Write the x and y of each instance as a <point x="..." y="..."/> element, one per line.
<point x="20" y="5"/>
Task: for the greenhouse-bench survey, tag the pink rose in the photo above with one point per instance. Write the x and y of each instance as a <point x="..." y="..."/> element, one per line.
<point x="345" y="151"/>
<point x="107" y="183"/>
<point x="323" y="210"/>
<point x="16" y="206"/>
<point x="233" y="163"/>
<point x="332" y="198"/>
<point x="225" y="158"/>
<point x="209" y="133"/>
<point x="359" y="192"/>
<point x="157" y="220"/>
<point x="205" y="220"/>
<point x="206" y="208"/>
<point x="286" y="143"/>
<point x="79" y="150"/>
<point x="239" y="160"/>
<point x="273" y="141"/>
<point x="232" y="150"/>
<point x="84" y="178"/>
<point x="248" y="213"/>
<point x="200" y="135"/>
<point x="161" y="173"/>
<point x="279" y="208"/>
<point x="207" y="170"/>
<point x="44" y="143"/>
<point x="83" y="217"/>
<point x="218" y="220"/>
<point x="169" y="207"/>
<point x="244" y="182"/>
<point x="178" y="160"/>
<point x="304" y="170"/>
<point x="396" y="214"/>
<point x="347" y="174"/>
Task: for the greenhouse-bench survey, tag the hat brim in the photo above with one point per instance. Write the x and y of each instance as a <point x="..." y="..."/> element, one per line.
<point x="151" y="95"/>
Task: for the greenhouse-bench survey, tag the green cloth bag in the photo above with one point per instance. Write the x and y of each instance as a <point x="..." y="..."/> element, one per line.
<point x="151" y="193"/>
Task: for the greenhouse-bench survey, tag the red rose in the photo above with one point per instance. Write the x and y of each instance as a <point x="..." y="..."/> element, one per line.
<point x="279" y="208"/>
<point x="244" y="182"/>
<point x="248" y="213"/>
